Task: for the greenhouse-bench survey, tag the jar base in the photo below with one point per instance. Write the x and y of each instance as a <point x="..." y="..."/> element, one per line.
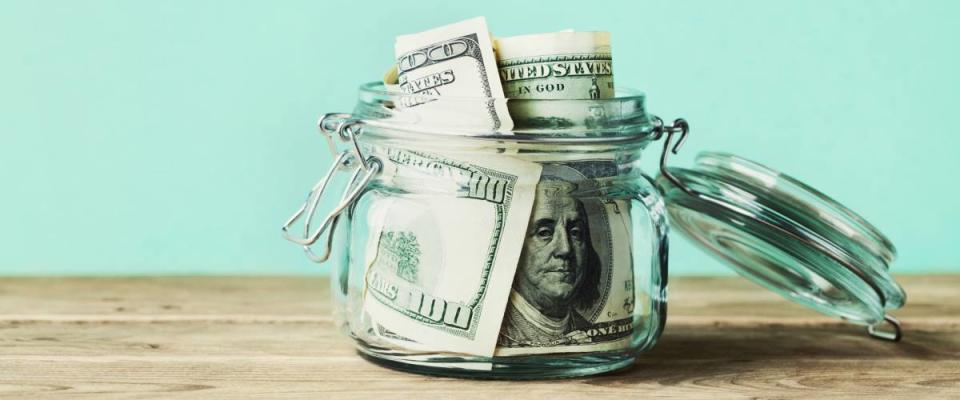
<point x="556" y="366"/>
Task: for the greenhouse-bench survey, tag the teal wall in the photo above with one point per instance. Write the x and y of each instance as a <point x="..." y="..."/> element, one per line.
<point x="174" y="137"/>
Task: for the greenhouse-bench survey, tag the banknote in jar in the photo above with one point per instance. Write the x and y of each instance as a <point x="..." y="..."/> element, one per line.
<point x="566" y="65"/>
<point x="573" y="289"/>
<point x="440" y="266"/>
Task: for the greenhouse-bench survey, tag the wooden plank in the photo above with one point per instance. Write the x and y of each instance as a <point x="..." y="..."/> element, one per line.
<point x="351" y="378"/>
<point x="273" y="337"/>
<point x="190" y="339"/>
<point x="203" y="296"/>
<point x="930" y="297"/>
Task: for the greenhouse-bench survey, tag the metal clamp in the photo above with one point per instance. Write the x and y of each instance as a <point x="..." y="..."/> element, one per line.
<point x="893" y="336"/>
<point x="328" y="125"/>
<point x="679" y="125"/>
<point x="346" y="129"/>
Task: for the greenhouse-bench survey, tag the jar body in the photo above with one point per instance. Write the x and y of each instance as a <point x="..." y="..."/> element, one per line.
<point x="605" y="223"/>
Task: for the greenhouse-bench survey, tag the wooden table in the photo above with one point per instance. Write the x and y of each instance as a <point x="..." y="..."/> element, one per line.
<point x="103" y="338"/>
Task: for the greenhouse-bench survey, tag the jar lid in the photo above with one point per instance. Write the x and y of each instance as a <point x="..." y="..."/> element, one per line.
<point x="785" y="236"/>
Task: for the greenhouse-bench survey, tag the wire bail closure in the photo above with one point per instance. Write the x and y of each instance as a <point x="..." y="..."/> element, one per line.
<point x="893" y="336"/>
<point x="346" y="129"/>
<point x="659" y="129"/>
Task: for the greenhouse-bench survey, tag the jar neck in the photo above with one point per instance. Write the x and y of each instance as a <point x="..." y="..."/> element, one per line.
<point x="620" y="117"/>
<point x="409" y="169"/>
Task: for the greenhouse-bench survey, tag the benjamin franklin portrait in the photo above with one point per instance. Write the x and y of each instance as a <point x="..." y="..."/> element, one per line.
<point x="558" y="272"/>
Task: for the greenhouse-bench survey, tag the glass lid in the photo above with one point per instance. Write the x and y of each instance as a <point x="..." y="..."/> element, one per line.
<point x="785" y="236"/>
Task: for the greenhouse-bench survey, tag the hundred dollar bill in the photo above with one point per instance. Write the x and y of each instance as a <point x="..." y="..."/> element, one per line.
<point x="388" y="339"/>
<point x="440" y="266"/>
<point x="559" y="66"/>
<point x="456" y="61"/>
<point x="573" y="290"/>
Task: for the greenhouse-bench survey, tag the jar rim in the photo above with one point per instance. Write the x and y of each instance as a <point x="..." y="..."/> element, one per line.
<point x="616" y="121"/>
<point x="378" y="88"/>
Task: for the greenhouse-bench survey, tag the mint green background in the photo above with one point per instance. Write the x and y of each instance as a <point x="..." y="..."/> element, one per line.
<point x="174" y="137"/>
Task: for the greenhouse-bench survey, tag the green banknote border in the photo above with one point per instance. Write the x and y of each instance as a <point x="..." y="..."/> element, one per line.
<point x="500" y="214"/>
<point x="476" y="53"/>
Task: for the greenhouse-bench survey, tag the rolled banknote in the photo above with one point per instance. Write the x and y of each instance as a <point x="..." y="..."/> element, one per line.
<point x="455" y="61"/>
<point x="440" y="263"/>
<point x="573" y="290"/>
<point x="557" y="65"/>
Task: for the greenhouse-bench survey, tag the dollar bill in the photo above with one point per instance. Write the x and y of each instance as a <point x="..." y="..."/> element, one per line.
<point x="455" y="61"/>
<point x="573" y="289"/>
<point x="558" y="66"/>
<point x="440" y="265"/>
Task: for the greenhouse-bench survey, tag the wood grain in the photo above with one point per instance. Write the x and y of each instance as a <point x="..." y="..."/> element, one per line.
<point x="103" y="338"/>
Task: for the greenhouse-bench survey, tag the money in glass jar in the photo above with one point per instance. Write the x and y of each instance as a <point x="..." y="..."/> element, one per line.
<point x="521" y="257"/>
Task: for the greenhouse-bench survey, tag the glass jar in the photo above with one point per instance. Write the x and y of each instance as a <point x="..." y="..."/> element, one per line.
<point x="540" y="251"/>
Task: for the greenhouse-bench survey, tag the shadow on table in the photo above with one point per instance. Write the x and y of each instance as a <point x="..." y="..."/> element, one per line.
<point x="687" y="352"/>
